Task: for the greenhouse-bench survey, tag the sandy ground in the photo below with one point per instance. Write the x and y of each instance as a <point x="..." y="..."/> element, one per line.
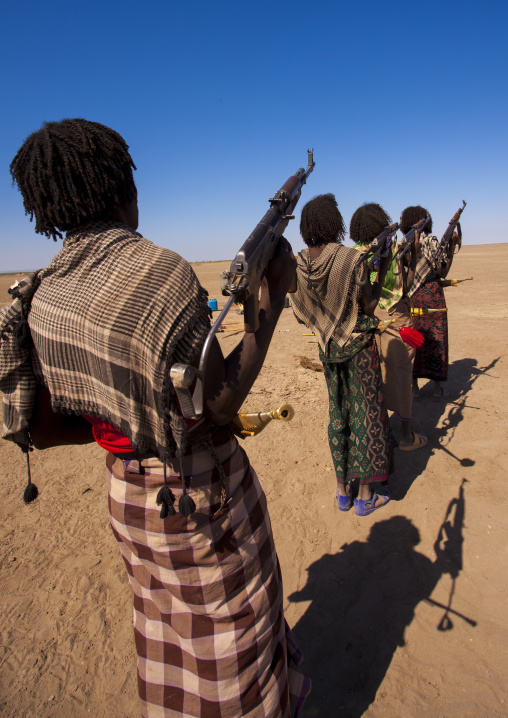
<point x="401" y="613"/>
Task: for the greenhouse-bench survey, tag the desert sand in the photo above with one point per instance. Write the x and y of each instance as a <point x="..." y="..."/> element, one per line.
<point x="401" y="613"/>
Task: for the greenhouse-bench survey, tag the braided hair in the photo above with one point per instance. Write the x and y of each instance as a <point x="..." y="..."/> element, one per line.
<point x="321" y="222"/>
<point x="367" y="222"/>
<point x="71" y="173"/>
<point x="412" y="215"/>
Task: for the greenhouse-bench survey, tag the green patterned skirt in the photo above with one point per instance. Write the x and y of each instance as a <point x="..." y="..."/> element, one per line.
<point x="361" y="442"/>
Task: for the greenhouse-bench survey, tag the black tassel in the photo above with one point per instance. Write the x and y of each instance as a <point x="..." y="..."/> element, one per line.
<point x="186" y="505"/>
<point x="167" y="499"/>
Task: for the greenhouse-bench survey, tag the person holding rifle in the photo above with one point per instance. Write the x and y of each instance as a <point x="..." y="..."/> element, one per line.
<point x="397" y="357"/>
<point x="336" y="300"/>
<point x="426" y="293"/>
<point x="85" y="355"/>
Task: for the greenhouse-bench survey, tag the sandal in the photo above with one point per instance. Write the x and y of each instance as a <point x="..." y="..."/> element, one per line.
<point x="367" y="506"/>
<point x="439" y="397"/>
<point x="419" y="441"/>
<point x="345" y="502"/>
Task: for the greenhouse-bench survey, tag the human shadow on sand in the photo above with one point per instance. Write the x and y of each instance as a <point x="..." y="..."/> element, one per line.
<point x="362" y="600"/>
<point x="438" y="421"/>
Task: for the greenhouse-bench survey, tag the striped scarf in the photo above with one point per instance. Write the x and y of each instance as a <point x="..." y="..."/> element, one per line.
<point x="108" y="318"/>
<point x="327" y="297"/>
<point x="433" y="260"/>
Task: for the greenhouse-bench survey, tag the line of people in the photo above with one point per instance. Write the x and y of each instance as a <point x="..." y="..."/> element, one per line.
<point x="368" y="372"/>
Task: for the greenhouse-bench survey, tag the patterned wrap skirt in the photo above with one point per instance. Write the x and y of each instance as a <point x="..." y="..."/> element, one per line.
<point x="431" y="360"/>
<point x="209" y="627"/>
<point x="359" y="435"/>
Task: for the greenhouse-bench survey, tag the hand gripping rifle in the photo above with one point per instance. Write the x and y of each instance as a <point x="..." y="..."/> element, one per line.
<point x="244" y="279"/>
<point x="454" y="222"/>
<point x="378" y="249"/>
<point x="408" y="239"/>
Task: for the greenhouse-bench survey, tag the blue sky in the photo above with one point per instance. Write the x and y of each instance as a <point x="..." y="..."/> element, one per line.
<point x="404" y="103"/>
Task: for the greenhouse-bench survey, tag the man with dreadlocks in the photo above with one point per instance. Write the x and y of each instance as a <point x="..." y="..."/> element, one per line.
<point x="92" y="337"/>
<point x="336" y="300"/>
<point x="426" y="292"/>
<point x="396" y="356"/>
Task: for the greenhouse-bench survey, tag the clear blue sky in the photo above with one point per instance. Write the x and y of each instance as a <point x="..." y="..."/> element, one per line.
<point x="403" y="102"/>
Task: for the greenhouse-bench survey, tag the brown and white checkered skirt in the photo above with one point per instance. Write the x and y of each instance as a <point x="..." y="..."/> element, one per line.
<point x="208" y="619"/>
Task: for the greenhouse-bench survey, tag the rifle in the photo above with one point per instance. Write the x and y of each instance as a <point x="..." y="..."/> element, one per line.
<point x="448" y="549"/>
<point x="244" y="279"/>
<point x="408" y="239"/>
<point x="454" y="222"/>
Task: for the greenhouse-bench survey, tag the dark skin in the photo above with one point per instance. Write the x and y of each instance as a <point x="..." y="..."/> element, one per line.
<point x="228" y="379"/>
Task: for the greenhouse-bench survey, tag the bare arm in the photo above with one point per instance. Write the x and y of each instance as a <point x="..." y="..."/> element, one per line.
<point x="408" y="271"/>
<point x="450" y="251"/>
<point x="229" y="379"/>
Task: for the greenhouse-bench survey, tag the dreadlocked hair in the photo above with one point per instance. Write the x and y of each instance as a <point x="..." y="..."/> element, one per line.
<point x="412" y="215"/>
<point x="321" y="222"/>
<point x="71" y="173"/>
<point x="367" y="222"/>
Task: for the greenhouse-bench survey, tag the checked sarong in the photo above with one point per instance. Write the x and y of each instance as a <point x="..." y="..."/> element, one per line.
<point x="210" y="633"/>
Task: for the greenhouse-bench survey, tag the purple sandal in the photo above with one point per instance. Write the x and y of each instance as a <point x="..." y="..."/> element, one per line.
<point x="367" y="506"/>
<point x="345" y="502"/>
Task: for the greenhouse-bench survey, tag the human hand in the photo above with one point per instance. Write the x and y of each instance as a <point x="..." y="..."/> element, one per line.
<point x="456" y="242"/>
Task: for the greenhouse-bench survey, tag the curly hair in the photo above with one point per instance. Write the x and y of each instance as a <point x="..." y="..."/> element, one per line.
<point x="321" y="222"/>
<point x="412" y="215"/>
<point x="367" y="222"/>
<point x="71" y="173"/>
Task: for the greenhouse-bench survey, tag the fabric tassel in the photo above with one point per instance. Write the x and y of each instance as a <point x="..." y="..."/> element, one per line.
<point x="186" y="505"/>
<point x="166" y="498"/>
<point x="412" y="337"/>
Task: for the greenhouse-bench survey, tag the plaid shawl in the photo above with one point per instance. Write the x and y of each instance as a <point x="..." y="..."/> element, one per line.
<point x="433" y="260"/>
<point x="17" y="380"/>
<point x="327" y="297"/>
<point x="109" y="317"/>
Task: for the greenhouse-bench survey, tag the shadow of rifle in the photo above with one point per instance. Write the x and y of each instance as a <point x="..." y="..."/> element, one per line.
<point x="448" y="548"/>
